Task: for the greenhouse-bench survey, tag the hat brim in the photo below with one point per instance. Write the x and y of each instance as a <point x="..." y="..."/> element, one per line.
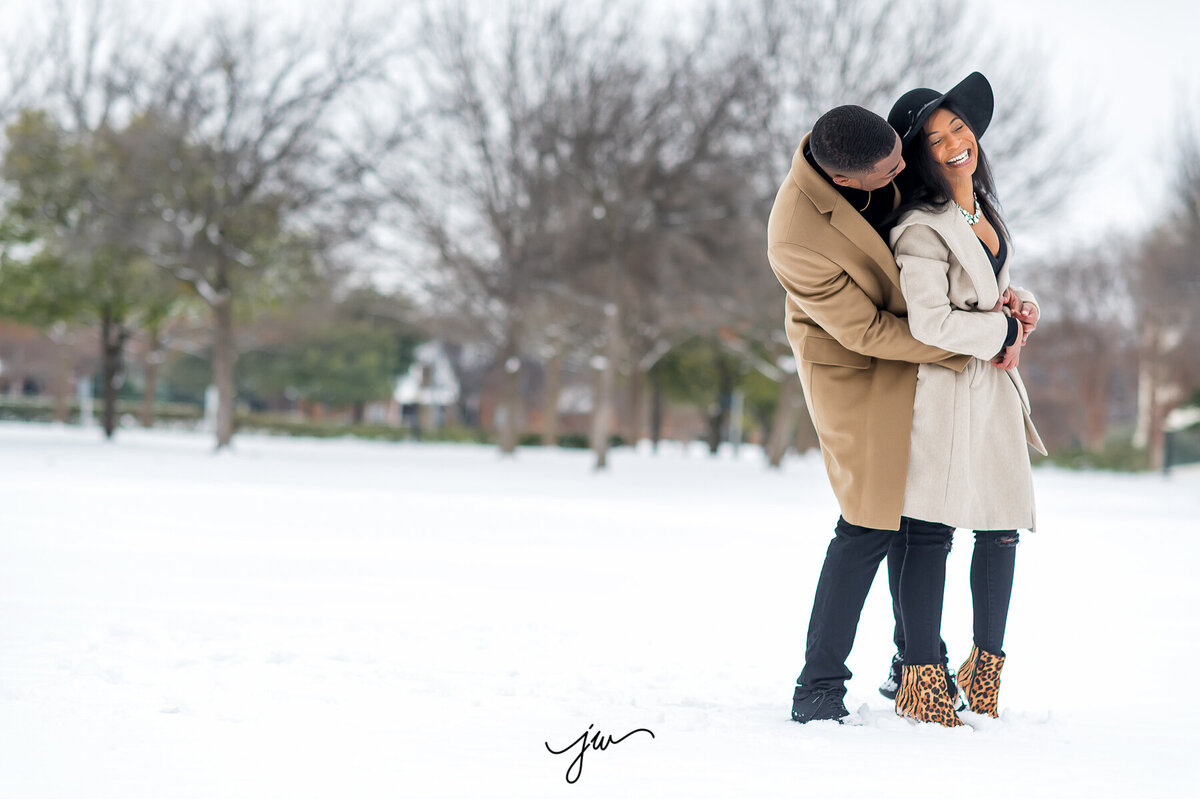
<point x="973" y="98"/>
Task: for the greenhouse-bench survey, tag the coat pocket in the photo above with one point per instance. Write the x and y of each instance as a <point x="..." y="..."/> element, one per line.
<point x="828" y="352"/>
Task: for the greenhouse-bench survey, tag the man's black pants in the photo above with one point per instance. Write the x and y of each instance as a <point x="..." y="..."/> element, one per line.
<point x="851" y="562"/>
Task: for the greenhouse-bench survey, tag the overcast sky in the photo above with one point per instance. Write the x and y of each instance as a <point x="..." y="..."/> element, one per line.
<point x="1132" y="64"/>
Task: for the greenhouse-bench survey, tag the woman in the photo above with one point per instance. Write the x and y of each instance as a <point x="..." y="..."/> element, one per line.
<point x="968" y="462"/>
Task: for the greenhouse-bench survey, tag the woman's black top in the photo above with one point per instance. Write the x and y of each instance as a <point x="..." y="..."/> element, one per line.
<point x="999" y="258"/>
<point x="1014" y="327"/>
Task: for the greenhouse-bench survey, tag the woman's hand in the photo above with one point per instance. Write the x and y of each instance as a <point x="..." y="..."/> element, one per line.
<point x="1010" y="300"/>
<point x="1028" y="317"/>
<point x="1024" y="312"/>
<point x="1005" y="301"/>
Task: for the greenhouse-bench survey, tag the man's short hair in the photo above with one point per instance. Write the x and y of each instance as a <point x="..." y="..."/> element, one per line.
<point x="850" y="140"/>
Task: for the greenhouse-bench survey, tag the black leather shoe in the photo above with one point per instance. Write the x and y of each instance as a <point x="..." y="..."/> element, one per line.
<point x="892" y="684"/>
<point x="820" y="704"/>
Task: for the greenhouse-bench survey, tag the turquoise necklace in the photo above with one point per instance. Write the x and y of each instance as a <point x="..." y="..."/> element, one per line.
<point x="972" y="219"/>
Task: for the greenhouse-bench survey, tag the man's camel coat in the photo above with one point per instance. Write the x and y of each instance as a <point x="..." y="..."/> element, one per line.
<point x="845" y="319"/>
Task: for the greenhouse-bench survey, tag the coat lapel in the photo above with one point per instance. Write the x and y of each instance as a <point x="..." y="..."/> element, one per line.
<point x="845" y="219"/>
<point x="851" y="224"/>
<point x="969" y="250"/>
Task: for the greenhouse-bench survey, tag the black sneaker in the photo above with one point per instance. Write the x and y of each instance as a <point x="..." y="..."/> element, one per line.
<point x="819" y="704"/>
<point x="892" y="684"/>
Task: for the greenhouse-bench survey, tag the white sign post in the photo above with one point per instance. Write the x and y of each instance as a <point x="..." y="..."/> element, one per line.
<point x="87" y="416"/>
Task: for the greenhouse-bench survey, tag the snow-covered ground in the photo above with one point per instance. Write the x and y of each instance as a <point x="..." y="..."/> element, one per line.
<point x="344" y="619"/>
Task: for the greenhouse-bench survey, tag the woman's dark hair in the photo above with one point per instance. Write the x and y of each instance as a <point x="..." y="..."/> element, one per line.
<point x="922" y="184"/>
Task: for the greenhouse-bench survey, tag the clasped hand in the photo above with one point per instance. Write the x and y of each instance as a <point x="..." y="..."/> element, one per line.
<point x="1026" y="313"/>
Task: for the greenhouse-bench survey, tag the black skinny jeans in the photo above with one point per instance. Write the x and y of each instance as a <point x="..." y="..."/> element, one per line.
<point x="851" y="562"/>
<point x="992" y="566"/>
<point x="922" y="585"/>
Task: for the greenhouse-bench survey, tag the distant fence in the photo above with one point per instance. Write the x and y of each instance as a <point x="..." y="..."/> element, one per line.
<point x="41" y="409"/>
<point x="184" y="415"/>
<point x="1182" y="447"/>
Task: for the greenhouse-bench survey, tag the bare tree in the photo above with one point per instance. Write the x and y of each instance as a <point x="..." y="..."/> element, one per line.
<point x="570" y="170"/>
<point x="1187" y="175"/>
<point x="262" y="178"/>
<point x="475" y="186"/>
<point x="1167" y="297"/>
<point x="1166" y="289"/>
<point x="660" y="146"/>
<point x="1086" y="337"/>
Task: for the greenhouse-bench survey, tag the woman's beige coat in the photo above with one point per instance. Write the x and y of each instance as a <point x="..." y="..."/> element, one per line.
<point x="968" y="462"/>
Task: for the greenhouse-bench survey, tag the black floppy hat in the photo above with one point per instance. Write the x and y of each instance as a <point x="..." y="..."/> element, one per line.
<point x="972" y="97"/>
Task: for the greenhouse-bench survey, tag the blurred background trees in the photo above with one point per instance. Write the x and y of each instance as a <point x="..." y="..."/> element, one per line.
<point x="514" y="221"/>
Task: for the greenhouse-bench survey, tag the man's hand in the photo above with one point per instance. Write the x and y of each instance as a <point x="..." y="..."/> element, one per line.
<point x="1009" y="357"/>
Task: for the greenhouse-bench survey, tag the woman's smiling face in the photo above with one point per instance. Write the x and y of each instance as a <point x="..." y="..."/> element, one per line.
<point x="952" y="145"/>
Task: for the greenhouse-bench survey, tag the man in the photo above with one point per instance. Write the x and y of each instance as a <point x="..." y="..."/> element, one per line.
<point x="845" y="319"/>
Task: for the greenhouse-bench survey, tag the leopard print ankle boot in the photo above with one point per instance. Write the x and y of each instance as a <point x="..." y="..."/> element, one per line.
<point x="923" y="695"/>
<point x="979" y="679"/>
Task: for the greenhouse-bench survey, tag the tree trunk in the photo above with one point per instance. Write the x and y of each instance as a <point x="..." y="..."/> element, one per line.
<point x="606" y="387"/>
<point x="718" y="417"/>
<point x="105" y="374"/>
<point x="223" y="365"/>
<point x="150" y="389"/>
<point x="716" y="424"/>
<point x="63" y="363"/>
<point x="553" y="392"/>
<point x="1168" y="397"/>
<point x="112" y="344"/>
<point x="1145" y="399"/>
<point x="783" y="430"/>
<point x="1095" y="409"/>
<point x="656" y="407"/>
<point x="510" y="395"/>
<point x="637" y="406"/>
<point x="424" y="416"/>
<point x="1158" y="435"/>
<point x="1156" y="397"/>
